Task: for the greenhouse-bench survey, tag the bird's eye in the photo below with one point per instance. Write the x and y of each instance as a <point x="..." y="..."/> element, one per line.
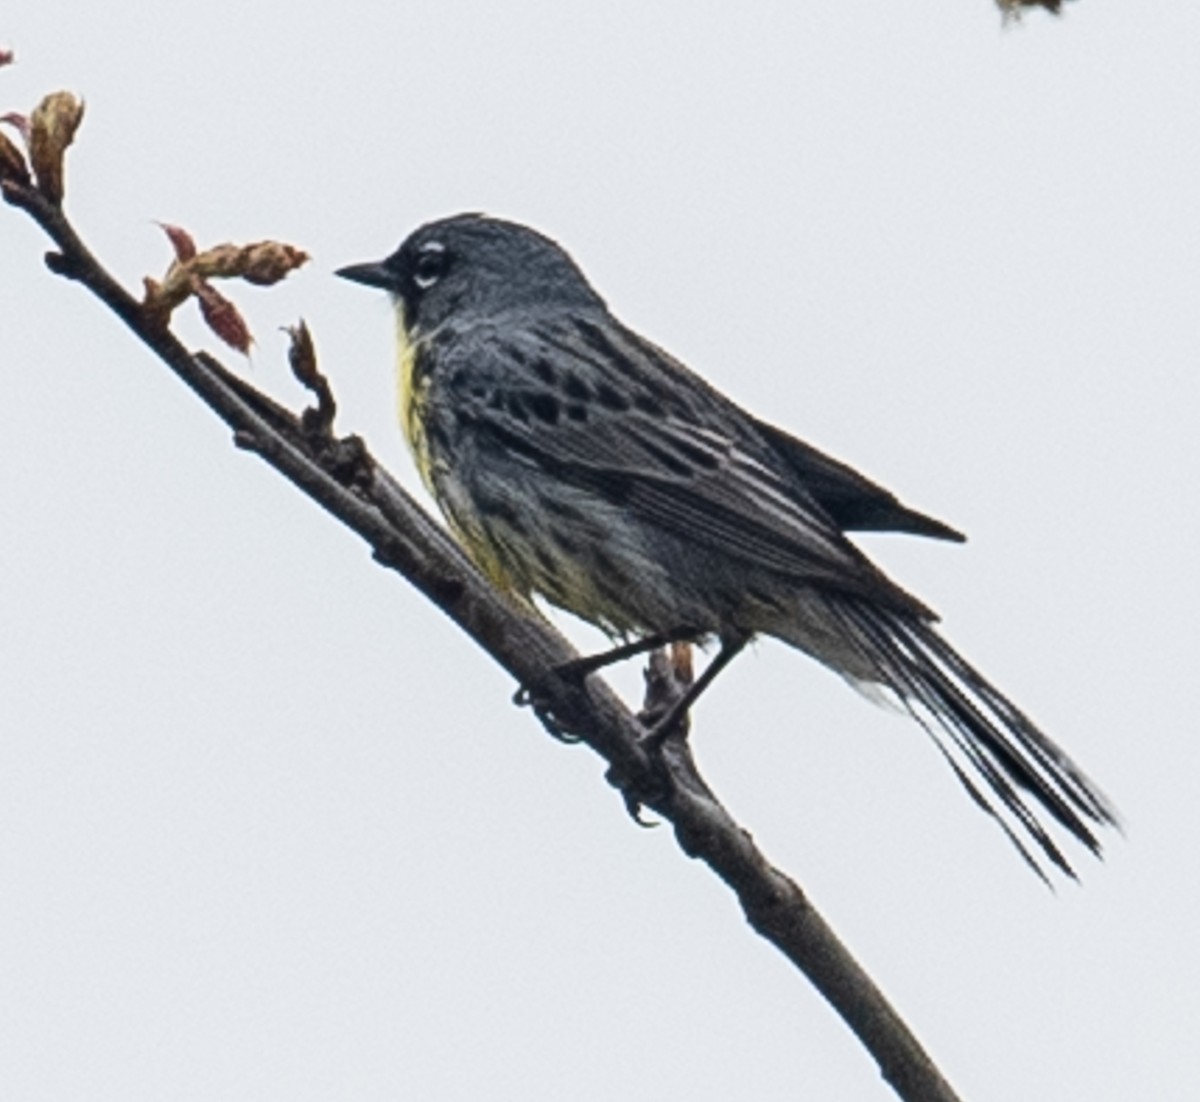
<point x="430" y="265"/>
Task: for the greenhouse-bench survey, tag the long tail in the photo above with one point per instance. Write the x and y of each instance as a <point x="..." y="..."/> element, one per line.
<point x="980" y="732"/>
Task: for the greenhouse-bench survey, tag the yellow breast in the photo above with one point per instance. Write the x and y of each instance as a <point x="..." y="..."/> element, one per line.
<point x="411" y="396"/>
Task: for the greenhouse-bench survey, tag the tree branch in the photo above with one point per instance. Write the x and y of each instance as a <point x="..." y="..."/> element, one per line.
<point x="345" y="480"/>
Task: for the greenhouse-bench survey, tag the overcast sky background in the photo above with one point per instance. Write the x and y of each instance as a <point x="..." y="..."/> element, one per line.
<point x="269" y="826"/>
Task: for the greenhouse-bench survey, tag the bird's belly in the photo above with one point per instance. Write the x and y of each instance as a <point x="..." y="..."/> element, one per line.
<point x="581" y="554"/>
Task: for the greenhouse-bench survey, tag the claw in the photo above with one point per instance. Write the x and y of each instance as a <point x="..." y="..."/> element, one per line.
<point x="634" y="808"/>
<point x="554" y="730"/>
<point x="526" y="697"/>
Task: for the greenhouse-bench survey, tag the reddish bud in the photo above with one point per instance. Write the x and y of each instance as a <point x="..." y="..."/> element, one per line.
<point x="262" y="263"/>
<point x="181" y="241"/>
<point x="270" y="261"/>
<point x="19" y="122"/>
<point x="302" y="355"/>
<point x="222" y="317"/>
<point x="6" y="57"/>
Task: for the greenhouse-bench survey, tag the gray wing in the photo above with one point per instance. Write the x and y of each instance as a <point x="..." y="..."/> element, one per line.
<point x="854" y="502"/>
<point x="594" y="405"/>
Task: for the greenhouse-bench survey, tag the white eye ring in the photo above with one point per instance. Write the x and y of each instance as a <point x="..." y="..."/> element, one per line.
<point x="430" y="265"/>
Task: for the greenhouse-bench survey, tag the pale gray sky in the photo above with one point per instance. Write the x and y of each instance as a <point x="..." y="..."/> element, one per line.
<point x="269" y="827"/>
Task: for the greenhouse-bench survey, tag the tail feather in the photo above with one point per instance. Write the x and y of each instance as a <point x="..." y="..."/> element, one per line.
<point x="1075" y="785"/>
<point x="982" y="802"/>
<point x="925" y="699"/>
<point x="980" y="733"/>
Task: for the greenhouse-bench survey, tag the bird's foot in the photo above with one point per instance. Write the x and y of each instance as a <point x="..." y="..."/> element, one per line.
<point x="536" y="695"/>
<point x="664" y="723"/>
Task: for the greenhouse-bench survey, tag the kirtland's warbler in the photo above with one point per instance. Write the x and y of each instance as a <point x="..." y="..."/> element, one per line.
<point x="576" y="460"/>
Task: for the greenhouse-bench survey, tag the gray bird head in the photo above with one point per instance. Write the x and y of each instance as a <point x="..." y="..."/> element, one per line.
<point x="472" y="263"/>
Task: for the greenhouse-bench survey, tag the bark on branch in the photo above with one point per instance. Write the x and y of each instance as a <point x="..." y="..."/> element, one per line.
<point x="341" y="475"/>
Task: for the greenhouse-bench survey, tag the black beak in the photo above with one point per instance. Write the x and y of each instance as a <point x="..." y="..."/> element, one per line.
<point x="373" y="275"/>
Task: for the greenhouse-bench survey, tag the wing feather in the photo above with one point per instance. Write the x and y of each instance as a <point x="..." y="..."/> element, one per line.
<point x="671" y="450"/>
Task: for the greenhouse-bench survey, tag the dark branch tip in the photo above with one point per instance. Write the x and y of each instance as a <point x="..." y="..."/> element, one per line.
<point x="61" y="264"/>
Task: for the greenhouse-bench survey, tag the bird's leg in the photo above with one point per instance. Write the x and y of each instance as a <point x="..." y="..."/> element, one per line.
<point x="731" y="646"/>
<point x="579" y="668"/>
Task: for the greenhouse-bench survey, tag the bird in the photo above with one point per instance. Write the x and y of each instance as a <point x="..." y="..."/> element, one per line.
<point x="578" y="462"/>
